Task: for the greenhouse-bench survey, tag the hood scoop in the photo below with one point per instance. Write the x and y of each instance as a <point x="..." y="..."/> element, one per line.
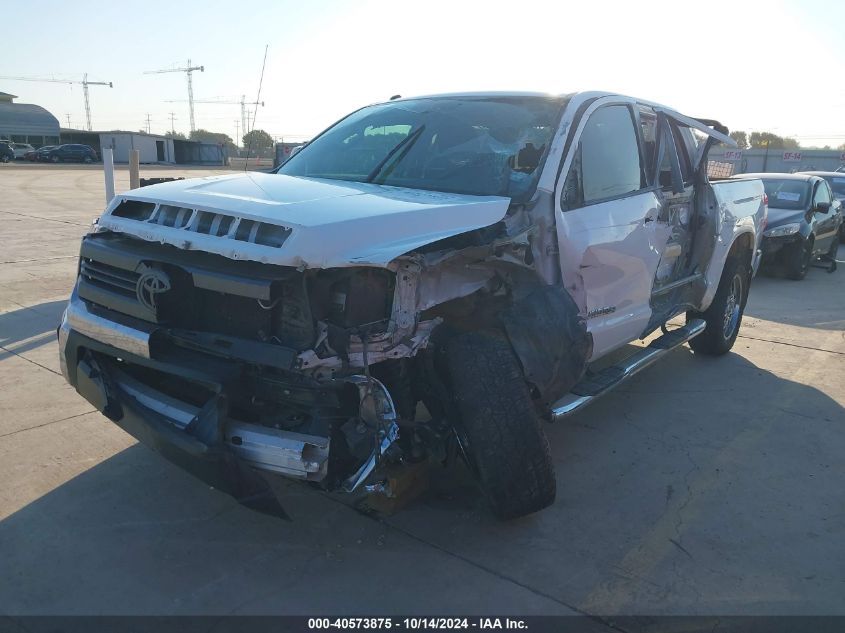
<point x="214" y="224"/>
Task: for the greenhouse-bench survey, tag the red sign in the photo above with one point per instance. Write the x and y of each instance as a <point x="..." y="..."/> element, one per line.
<point x="792" y="157"/>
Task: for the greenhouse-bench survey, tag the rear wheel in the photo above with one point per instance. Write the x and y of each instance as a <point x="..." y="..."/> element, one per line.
<point x="798" y="260"/>
<point x="724" y="315"/>
<point x="87" y="160"/>
<point x="500" y="431"/>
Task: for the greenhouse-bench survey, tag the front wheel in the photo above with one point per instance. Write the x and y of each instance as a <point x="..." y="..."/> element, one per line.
<point x="724" y="315"/>
<point x="798" y="261"/>
<point x="55" y="159"/>
<point x="87" y="160"/>
<point x="499" y="430"/>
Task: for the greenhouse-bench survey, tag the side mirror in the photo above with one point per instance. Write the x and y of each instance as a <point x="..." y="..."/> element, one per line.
<point x="822" y="207"/>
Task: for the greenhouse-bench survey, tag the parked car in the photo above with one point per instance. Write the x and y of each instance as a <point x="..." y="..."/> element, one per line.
<point x="6" y="152"/>
<point x="21" y="149"/>
<point x="41" y="154"/>
<point x="836" y="180"/>
<point x="70" y="152"/>
<point x="804" y="221"/>
<point x="473" y="252"/>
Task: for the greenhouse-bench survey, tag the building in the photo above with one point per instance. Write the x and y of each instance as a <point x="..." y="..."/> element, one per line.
<point x="153" y="148"/>
<point x="26" y="122"/>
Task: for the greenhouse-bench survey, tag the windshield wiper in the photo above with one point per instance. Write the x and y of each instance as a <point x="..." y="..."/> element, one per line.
<point x="404" y="145"/>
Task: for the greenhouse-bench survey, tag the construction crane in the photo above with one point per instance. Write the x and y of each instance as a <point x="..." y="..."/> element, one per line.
<point x="225" y="101"/>
<point x="188" y="70"/>
<point x="85" y="83"/>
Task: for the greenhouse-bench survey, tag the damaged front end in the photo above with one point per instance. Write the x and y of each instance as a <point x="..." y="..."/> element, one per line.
<point x="239" y="370"/>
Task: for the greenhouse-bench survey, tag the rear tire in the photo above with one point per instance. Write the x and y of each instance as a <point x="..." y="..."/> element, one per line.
<point x="724" y="316"/>
<point x="798" y="262"/>
<point x="500" y="431"/>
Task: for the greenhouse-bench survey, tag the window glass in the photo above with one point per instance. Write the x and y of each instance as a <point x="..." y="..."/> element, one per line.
<point x="472" y="145"/>
<point x="609" y="156"/>
<point x="787" y="193"/>
<point x="822" y="194"/>
<point x="648" y="125"/>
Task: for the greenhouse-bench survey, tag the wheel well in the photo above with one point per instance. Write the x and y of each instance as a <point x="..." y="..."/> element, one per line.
<point x="743" y="248"/>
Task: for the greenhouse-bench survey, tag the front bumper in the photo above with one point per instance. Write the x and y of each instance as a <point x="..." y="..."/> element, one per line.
<point x="774" y="247"/>
<point x="98" y="357"/>
<point x="231" y="455"/>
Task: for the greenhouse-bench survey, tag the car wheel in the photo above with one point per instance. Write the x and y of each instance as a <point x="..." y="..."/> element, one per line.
<point x="724" y="316"/>
<point x="499" y="431"/>
<point x="798" y="261"/>
<point x="87" y="160"/>
<point x="834" y="247"/>
<point x="55" y="159"/>
<point x="4" y="159"/>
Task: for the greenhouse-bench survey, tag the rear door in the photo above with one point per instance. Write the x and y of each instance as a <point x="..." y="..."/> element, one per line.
<point x="611" y="239"/>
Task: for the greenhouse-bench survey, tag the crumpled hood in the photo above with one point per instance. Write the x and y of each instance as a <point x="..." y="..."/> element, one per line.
<point x="779" y="217"/>
<point x="332" y="223"/>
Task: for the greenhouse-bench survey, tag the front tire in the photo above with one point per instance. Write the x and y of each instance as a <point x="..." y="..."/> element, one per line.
<point x="55" y="159"/>
<point x="499" y="429"/>
<point x="724" y="316"/>
<point x="798" y="261"/>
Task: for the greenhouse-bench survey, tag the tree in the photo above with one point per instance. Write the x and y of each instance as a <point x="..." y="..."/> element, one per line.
<point x="772" y="141"/>
<point x="741" y="139"/>
<point x="176" y="135"/>
<point x="204" y="136"/>
<point x="258" y="140"/>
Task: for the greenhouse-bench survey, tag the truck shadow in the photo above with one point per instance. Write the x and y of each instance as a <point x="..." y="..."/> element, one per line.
<point x="28" y="328"/>
<point x="134" y="534"/>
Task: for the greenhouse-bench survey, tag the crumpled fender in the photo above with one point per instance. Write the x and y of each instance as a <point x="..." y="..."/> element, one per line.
<point x="550" y="339"/>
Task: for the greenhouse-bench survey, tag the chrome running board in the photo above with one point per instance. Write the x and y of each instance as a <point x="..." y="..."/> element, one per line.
<point x="598" y="384"/>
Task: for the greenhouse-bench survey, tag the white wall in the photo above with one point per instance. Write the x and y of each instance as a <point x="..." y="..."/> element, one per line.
<point x="123" y="142"/>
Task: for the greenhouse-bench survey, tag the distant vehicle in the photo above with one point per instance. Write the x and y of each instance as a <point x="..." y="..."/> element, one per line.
<point x="804" y="221"/>
<point x="836" y="180"/>
<point x="71" y="152"/>
<point x="6" y="152"/>
<point x="21" y="149"/>
<point x="40" y="154"/>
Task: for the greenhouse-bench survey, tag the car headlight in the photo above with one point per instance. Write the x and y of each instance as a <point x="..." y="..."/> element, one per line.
<point x="781" y="231"/>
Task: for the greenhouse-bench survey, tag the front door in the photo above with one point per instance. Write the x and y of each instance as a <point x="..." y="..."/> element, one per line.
<point x="609" y="229"/>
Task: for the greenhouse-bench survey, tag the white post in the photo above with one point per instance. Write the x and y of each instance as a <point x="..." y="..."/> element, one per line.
<point x="134" y="168"/>
<point x="108" y="171"/>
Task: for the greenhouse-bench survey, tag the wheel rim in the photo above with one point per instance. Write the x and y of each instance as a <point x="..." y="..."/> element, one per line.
<point x="732" y="307"/>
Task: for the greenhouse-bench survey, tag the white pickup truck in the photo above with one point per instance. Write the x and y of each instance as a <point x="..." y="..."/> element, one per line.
<point x="476" y="253"/>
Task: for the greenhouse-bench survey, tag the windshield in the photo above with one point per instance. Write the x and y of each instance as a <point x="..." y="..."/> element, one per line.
<point x="474" y="145"/>
<point x="787" y="194"/>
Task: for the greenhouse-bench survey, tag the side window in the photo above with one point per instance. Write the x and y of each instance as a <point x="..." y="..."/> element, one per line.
<point x="607" y="159"/>
<point x="822" y="194"/>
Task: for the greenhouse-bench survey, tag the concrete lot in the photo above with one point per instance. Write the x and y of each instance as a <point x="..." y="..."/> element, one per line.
<point x="703" y="486"/>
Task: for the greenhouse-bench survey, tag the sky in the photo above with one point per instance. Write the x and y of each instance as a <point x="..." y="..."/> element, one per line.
<point x="755" y="66"/>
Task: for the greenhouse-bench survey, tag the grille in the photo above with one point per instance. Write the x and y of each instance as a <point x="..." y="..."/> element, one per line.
<point x="205" y="222"/>
<point x="109" y="277"/>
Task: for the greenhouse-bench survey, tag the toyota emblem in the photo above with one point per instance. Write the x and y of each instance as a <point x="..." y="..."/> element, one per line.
<point x="151" y="283"/>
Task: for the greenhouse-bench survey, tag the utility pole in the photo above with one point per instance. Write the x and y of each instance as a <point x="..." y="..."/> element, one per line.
<point x="67" y="114"/>
<point x="188" y="70"/>
<point x="85" y="83"/>
<point x="172" y="119"/>
<point x="148" y="122"/>
<point x="237" y="133"/>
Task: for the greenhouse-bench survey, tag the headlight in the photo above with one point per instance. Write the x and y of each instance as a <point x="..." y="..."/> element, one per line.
<point x="781" y="231"/>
